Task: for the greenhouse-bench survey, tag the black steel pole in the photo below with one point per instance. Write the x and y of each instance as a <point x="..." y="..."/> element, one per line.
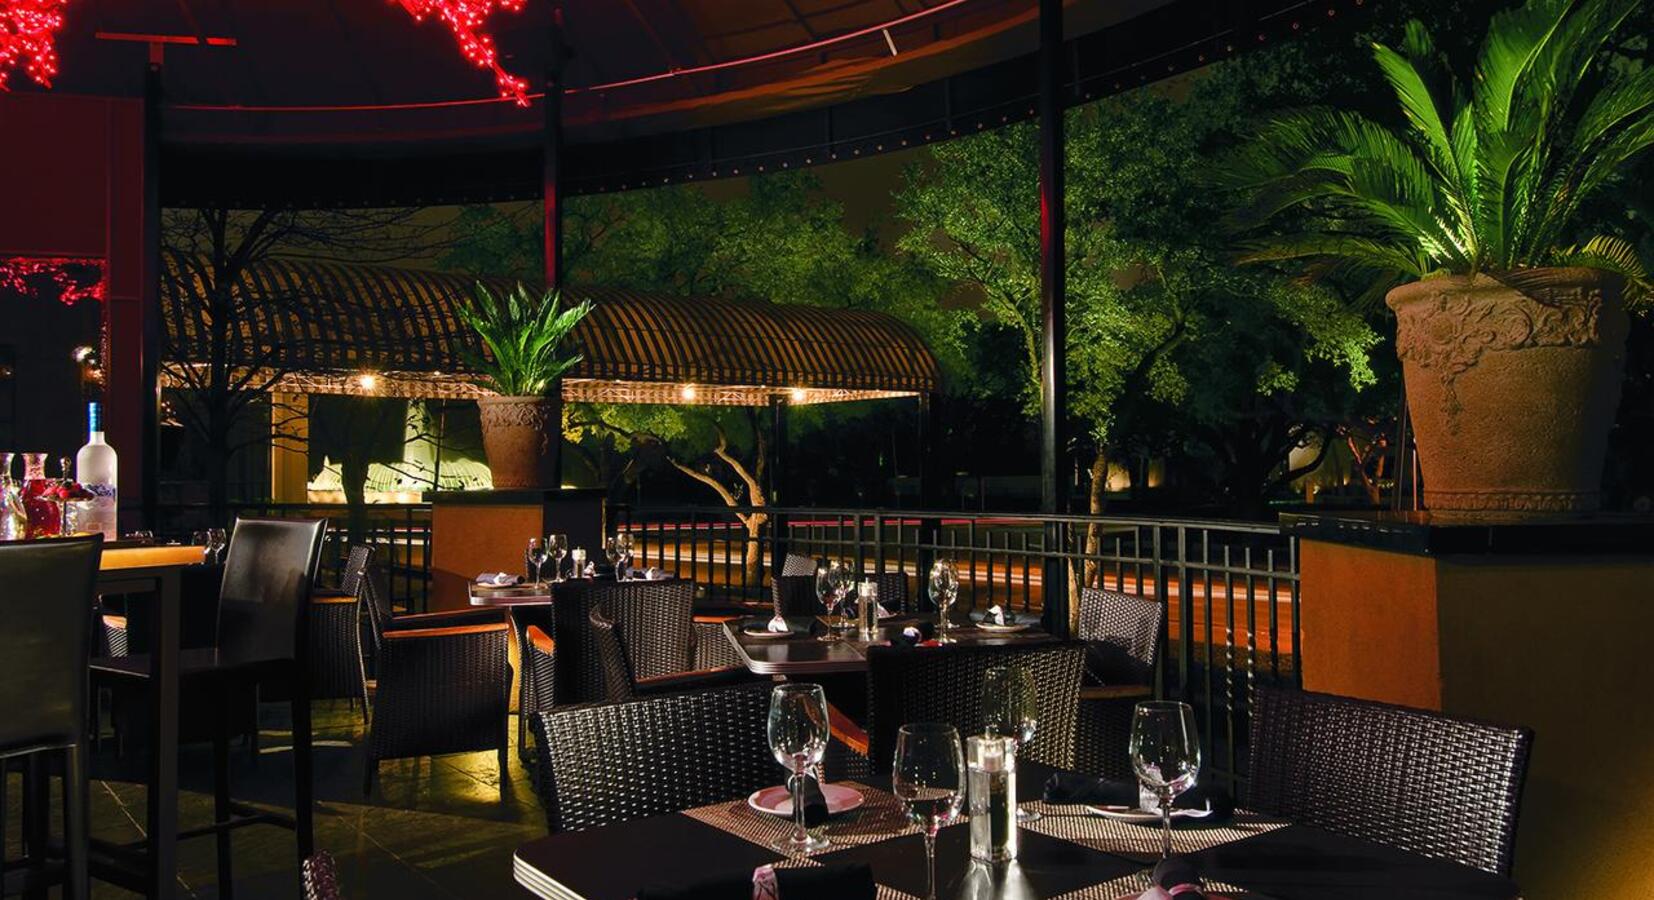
<point x="779" y="487"/>
<point x="551" y="176"/>
<point x="149" y="304"/>
<point x="1053" y="296"/>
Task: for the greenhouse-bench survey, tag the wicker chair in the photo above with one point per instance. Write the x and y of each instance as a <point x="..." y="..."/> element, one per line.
<point x="944" y="684"/>
<point x="798" y="564"/>
<point x="795" y="595"/>
<point x="321" y="877"/>
<point x="606" y="763"/>
<point x="618" y="644"/>
<point x="336" y="668"/>
<point x="1122" y="635"/>
<point x="893" y="593"/>
<point x="664" y="641"/>
<point x="444" y="684"/>
<point x="1435" y="785"/>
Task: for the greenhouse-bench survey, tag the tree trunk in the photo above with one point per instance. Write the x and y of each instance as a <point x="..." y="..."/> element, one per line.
<point x="753" y="558"/>
<point x="1097" y="501"/>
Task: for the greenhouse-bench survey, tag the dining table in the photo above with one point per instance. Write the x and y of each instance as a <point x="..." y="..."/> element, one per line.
<point x="152" y="574"/>
<point x="803" y="652"/>
<point x="1070" y="853"/>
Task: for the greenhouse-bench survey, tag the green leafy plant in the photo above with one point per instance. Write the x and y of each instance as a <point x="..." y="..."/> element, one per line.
<point x="522" y="333"/>
<point x="1488" y="174"/>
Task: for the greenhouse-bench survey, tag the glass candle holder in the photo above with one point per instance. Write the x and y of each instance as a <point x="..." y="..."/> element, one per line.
<point x="991" y="790"/>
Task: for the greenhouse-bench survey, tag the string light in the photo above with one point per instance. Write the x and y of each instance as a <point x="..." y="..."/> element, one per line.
<point x="28" y="39"/>
<point x="67" y="275"/>
<point x="465" y="19"/>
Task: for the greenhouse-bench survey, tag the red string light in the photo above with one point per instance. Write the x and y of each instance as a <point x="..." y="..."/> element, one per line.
<point x="28" y="38"/>
<point x="465" y="19"/>
<point x="68" y="276"/>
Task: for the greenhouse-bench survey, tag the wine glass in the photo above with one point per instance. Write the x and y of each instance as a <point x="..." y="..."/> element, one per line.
<point x="612" y="552"/>
<point x="558" y="546"/>
<point x="1165" y="752"/>
<point x="843" y="581"/>
<point x="944" y="589"/>
<point x="203" y="540"/>
<point x="929" y="777"/>
<point x="830" y="600"/>
<point x="624" y="541"/>
<point x="798" y="734"/>
<point x="537" y="556"/>
<point x="216" y="542"/>
<point x="1010" y="709"/>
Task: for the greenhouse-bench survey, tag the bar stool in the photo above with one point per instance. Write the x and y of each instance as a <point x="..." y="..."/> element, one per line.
<point x="50" y="596"/>
<point x="263" y="622"/>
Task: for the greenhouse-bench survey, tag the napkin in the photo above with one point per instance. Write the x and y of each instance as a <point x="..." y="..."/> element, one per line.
<point x="840" y="882"/>
<point x="815" y="803"/>
<point x="1072" y="787"/>
<point x="912" y="635"/>
<point x="499" y="579"/>
<point x="999" y="615"/>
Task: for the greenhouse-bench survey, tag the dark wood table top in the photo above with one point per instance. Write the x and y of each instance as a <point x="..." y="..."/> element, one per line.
<point x="1289" y="863"/>
<point x="808" y="654"/>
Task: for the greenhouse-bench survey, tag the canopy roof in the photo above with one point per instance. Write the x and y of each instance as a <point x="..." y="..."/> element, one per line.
<point x="303" y="326"/>
<point x="351" y="102"/>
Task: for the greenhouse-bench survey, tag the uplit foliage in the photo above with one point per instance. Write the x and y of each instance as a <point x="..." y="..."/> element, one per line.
<point x="1487" y="173"/>
<point x="522" y="332"/>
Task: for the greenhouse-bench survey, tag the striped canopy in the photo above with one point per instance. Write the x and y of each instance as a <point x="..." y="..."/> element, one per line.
<point x="303" y="326"/>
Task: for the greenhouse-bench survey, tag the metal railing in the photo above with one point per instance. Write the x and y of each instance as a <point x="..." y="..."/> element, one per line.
<point x="401" y="530"/>
<point x="1230" y="589"/>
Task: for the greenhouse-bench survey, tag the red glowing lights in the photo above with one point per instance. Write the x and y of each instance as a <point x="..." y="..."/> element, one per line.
<point x="28" y="39"/>
<point x="71" y="279"/>
<point x="465" y="19"/>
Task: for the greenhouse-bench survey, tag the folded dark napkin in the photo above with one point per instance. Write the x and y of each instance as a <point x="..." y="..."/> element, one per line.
<point x="815" y="803"/>
<point x="849" y="882"/>
<point x="1072" y="787"/>
<point x="1175" y="872"/>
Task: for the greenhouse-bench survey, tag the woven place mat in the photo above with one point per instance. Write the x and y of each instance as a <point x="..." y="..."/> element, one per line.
<point x="1131" y="886"/>
<point x="879" y="818"/>
<point x="1073" y="823"/>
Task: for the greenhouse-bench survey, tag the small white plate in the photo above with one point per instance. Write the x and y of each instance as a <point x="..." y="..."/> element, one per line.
<point x="778" y="800"/>
<point x="1145" y="816"/>
<point x="1013" y="627"/>
<point x="761" y="633"/>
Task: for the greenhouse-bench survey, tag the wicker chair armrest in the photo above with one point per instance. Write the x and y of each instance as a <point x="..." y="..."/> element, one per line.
<point x="846" y="731"/>
<point x="331" y="595"/>
<point x="540" y="641"/>
<point x="115" y="622"/>
<point x="450" y="631"/>
<point x="699" y="679"/>
<point x="712" y="649"/>
<point x="1116" y="692"/>
<point x="445" y="619"/>
<point x="715" y="620"/>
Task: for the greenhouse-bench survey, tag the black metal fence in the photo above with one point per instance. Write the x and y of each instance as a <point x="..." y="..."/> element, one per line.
<point x="401" y="530"/>
<point x="1230" y="589"/>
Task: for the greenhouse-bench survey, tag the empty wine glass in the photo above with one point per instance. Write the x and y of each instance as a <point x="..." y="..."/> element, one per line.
<point x="798" y="733"/>
<point x="613" y="553"/>
<point x="624" y="541"/>
<point x="944" y="589"/>
<point x="1165" y="753"/>
<point x="201" y="539"/>
<point x="216" y="542"/>
<point x="829" y="598"/>
<point x="536" y="556"/>
<point x="558" y="546"/>
<point x="929" y="777"/>
<point x="843" y="581"/>
<point x="1010" y="709"/>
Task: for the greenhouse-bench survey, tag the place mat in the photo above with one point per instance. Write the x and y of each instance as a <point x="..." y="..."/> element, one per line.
<point x="1073" y="823"/>
<point x="1132" y="885"/>
<point x="879" y="818"/>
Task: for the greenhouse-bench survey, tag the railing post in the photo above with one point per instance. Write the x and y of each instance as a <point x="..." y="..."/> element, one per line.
<point x="1185" y="614"/>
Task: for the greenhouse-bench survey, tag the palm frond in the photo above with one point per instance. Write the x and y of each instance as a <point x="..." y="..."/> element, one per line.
<point x="1612" y="254"/>
<point x="522" y="333"/>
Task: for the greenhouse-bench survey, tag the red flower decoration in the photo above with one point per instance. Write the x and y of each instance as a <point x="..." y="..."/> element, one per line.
<point x="465" y="19"/>
<point x="28" y="38"/>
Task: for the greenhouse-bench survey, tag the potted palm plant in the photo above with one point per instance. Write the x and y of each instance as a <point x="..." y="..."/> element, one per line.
<point x="522" y="424"/>
<point x="1510" y="319"/>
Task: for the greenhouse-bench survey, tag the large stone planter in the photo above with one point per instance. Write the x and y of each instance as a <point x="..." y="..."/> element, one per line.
<point x="522" y="437"/>
<point x="1512" y="383"/>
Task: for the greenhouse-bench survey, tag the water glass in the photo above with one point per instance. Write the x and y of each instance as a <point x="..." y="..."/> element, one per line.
<point x="558" y="546"/>
<point x="1165" y="753"/>
<point x="830" y="600"/>
<point x="613" y="553"/>
<point x="929" y="779"/>
<point x="944" y="590"/>
<point x="798" y="735"/>
<point x="1010" y="709"/>
<point x="536" y="556"/>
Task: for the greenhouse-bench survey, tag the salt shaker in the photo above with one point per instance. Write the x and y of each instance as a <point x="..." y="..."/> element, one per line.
<point x="867" y="609"/>
<point x="991" y="789"/>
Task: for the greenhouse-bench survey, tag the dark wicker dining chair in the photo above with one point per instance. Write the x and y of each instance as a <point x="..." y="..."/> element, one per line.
<point x="1432" y="784"/>
<point x="321" y="877"/>
<point x="619" y="643"/>
<point x="798" y="564"/>
<point x="1122" y="636"/>
<point x="944" y="684"/>
<point x="443" y="686"/>
<point x="336" y="661"/>
<point x="606" y="763"/>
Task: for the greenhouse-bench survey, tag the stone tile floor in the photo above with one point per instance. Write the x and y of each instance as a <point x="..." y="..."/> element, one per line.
<point x="433" y="828"/>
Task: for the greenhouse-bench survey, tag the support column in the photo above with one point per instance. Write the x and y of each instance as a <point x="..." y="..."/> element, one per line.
<point x="552" y="185"/>
<point x="1053" y="319"/>
<point x="931" y="474"/>
<point x="150" y="296"/>
<point x="779" y="490"/>
<point x="289" y="448"/>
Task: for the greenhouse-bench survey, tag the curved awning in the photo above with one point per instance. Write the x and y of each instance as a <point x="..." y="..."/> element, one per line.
<point x="304" y="326"/>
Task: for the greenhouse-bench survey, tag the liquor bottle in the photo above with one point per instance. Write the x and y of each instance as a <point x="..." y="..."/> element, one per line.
<point x="95" y="469"/>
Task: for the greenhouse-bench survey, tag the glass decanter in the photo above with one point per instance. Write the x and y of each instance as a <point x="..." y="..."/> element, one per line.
<point x="39" y="503"/>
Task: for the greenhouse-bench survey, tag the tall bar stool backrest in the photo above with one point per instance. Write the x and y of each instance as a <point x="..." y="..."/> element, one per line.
<point x="944" y="684"/>
<point x="1435" y="785"/>
<point x="265" y="596"/>
<point x="45" y="642"/>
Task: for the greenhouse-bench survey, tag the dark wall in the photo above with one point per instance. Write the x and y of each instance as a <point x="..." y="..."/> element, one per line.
<point x="42" y="408"/>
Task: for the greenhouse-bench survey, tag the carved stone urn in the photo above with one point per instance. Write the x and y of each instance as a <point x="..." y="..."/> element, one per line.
<point x="1512" y="383"/>
<point x="522" y="437"/>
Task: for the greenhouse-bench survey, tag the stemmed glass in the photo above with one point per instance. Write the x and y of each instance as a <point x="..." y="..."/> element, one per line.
<point x="798" y="734"/>
<point x="842" y="581"/>
<point x="944" y="589"/>
<point x="201" y="539"/>
<point x="536" y="556"/>
<point x="612" y="551"/>
<point x="929" y="777"/>
<point x="1165" y="752"/>
<point x="558" y="546"/>
<point x="1010" y="708"/>
<point x="216" y="542"/>
<point x="829" y="598"/>
<point x="626" y="552"/>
